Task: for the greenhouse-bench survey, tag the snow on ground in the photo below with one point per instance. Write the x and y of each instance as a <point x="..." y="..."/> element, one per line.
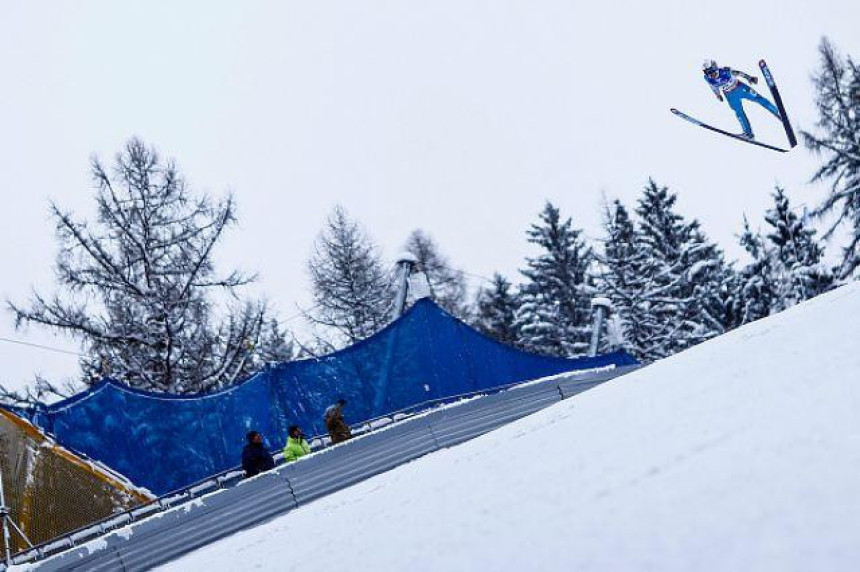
<point x="740" y="454"/>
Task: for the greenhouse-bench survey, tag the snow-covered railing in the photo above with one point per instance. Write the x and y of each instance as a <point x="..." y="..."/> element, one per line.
<point x="225" y="503"/>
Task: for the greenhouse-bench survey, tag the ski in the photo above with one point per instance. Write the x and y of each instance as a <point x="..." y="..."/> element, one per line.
<point x="777" y="99"/>
<point x="695" y="121"/>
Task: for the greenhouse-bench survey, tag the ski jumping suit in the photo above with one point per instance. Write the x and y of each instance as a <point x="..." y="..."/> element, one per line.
<point x="736" y="92"/>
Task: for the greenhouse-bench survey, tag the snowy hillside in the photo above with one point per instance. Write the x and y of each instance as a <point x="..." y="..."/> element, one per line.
<point x="740" y="454"/>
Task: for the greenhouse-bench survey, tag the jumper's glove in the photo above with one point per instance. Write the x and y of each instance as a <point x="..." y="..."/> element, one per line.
<point x="753" y="80"/>
<point x="720" y="97"/>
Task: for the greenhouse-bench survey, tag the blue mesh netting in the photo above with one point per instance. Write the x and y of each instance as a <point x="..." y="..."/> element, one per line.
<point x="164" y="442"/>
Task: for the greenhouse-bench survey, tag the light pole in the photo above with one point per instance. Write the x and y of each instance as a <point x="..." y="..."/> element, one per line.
<point x="404" y="268"/>
<point x="601" y="308"/>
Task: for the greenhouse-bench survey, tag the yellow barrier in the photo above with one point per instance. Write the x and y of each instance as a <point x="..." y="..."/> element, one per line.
<point x="49" y="490"/>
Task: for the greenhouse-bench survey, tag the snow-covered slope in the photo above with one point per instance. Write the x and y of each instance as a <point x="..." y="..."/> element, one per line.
<point x="740" y="454"/>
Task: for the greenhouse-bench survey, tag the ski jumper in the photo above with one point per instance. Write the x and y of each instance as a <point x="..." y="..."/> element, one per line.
<point x="736" y="92"/>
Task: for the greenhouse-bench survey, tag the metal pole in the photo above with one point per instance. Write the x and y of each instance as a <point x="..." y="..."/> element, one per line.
<point x="6" y="516"/>
<point x="404" y="264"/>
<point x="601" y="307"/>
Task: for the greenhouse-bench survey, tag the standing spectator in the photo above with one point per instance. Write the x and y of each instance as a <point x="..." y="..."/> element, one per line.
<point x="296" y="445"/>
<point x="255" y="457"/>
<point x="334" y="422"/>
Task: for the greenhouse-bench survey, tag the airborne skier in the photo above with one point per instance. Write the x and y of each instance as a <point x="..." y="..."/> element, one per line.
<point x="725" y="80"/>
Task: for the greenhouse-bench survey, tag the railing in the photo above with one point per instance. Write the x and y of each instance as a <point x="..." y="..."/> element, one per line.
<point x="384" y="443"/>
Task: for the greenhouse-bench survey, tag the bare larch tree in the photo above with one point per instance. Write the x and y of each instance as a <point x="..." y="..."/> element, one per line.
<point x="138" y="284"/>
<point x="351" y="288"/>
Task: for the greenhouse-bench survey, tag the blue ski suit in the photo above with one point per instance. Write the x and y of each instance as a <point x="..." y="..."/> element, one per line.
<point x="727" y="81"/>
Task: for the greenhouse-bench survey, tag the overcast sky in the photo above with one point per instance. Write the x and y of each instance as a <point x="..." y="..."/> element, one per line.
<point x="459" y="117"/>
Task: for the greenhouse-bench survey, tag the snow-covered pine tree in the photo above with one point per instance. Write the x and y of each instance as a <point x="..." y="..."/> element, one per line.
<point x="139" y="284"/>
<point x="684" y="300"/>
<point x="665" y="302"/>
<point x="713" y="282"/>
<point x="787" y="263"/>
<point x="837" y="86"/>
<point x="496" y="308"/>
<point x="756" y="284"/>
<point x="448" y="285"/>
<point x="554" y="316"/>
<point x="727" y="304"/>
<point x="800" y="273"/>
<point x="352" y="291"/>
<point x="623" y="275"/>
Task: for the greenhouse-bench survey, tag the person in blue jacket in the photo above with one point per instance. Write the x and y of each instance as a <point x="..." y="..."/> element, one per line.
<point x="725" y="80"/>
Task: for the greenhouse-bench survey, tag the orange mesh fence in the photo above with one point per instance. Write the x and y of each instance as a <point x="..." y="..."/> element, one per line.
<point x="49" y="491"/>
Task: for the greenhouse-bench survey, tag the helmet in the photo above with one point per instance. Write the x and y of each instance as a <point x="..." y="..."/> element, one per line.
<point x="709" y="66"/>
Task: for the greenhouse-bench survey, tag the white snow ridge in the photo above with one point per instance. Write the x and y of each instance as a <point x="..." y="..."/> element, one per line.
<point x="742" y="453"/>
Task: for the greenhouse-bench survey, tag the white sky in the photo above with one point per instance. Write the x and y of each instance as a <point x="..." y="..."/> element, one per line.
<point x="458" y="117"/>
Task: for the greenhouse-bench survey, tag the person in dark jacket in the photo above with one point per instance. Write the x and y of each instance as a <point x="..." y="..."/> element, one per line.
<point x="335" y="423"/>
<point x="255" y="457"/>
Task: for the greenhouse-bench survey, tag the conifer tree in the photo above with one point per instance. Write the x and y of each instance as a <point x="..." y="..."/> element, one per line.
<point x="711" y="281"/>
<point x="352" y="291"/>
<point x="622" y="275"/>
<point x="683" y="300"/>
<point x="787" y="263"/>
<point x="447" y="284"/>
<point x="801" y="274"/>
<point x="554" y="315"/>
<point x="837" y="85"/>
<point x="138" y="284"/>
<point x="495" y="314"/>
<point x="757" y="289"/>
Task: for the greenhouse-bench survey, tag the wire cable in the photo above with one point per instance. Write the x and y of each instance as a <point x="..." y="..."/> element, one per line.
<point x="44" y="347"/>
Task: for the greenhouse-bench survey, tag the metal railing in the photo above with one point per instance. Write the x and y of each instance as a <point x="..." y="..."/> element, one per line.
<point x="232" y="503"/>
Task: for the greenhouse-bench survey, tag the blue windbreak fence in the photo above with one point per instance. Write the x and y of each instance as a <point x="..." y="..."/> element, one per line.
<point x="164" y="442"/>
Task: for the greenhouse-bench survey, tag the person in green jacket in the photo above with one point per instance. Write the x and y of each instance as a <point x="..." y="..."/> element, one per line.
<point x="296" y="445"/>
